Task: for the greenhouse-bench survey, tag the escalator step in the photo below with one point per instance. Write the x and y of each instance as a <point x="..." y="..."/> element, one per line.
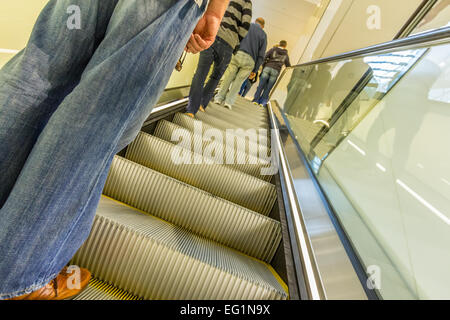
<point x="257" y="143"/>
<point x="193" y="209"/>
<point x="245" y="108"/>
<point x="224" y="124"/>
<point x="242" y="161"/>
<point x="100" y="290"/>
<point x="235" y="118"/>
<point x="246" y="114"/>
<point x="243" y="104"/>
<point x="152" y="259"/>
<point x="220" y="180"/>
<point x="211" y="123"/>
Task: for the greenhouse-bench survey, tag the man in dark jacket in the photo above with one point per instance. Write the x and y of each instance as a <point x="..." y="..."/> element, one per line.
<point x="276" y="58"/>
<point x="245" y="63"/>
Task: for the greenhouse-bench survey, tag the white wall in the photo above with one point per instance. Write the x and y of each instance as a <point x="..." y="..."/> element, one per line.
<point x="344" y="26"/>
<point x="291" y="20"/>
<point x="16" y="22"/>
<point x="17" y="19"/>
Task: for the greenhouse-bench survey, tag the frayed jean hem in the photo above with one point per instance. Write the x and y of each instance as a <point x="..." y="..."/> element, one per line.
<point x="30" y="289"/>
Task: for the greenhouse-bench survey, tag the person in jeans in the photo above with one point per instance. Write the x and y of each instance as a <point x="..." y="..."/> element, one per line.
<point x="233" y="29"/>
<point x="69" y="101"/>
<point x="245" y="64"/>
<point x="275" y="59"/>
<point x="247" y="86"/>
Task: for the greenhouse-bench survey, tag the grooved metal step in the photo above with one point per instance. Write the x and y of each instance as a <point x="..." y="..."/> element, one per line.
<point x="100" y="290"/>
<point x="260" y="137"/>
<point x="244" y="113"/>
<point x="220" y="180"/>
<point x="257" y="141"/>
<point x="247" y="109"/>
<point x="242" y="104"/>
<point x="248" y="104"/>
<point x="236" y="118"/>
<point x="223" y="123"/>
<point x="231" y="156"/>
<point x="193" y="209"/>
<point x="152" y="259"/>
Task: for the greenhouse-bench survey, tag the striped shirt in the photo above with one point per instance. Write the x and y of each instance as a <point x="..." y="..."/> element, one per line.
<point x="236" y="22"/>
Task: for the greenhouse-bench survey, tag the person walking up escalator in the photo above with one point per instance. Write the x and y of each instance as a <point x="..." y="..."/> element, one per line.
<point x="245" y="64"/>
<point x="233" y="29"/>
<point x="275" y="59"/>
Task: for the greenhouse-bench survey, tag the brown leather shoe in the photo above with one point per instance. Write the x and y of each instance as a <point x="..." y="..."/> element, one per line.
<point x="58" y="288"/>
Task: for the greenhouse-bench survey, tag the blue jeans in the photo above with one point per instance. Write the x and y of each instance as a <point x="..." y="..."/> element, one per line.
<point x="68" y="103"/>
<point x="240" y="68"/>
<point x="268" y="79"/>
<point x="246" y="86"/>
<point x="219" y="54"/>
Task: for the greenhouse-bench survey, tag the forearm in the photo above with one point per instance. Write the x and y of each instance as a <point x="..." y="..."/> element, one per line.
<point x="288" y="62"/>
<point x="217" y="8"/>
<point x="206" y="30"/>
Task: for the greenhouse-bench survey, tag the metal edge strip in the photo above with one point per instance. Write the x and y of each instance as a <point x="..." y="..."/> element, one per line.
<point x="310" y="271"/>
<point x="352" y="255"/>
<point x="169" y="105"/>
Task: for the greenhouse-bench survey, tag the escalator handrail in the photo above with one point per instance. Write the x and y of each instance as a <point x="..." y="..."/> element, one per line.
<point x="421" y="12"/>
<point x="399" y="44"/>
<point x="419" y="39"/>
<point x="435" y="35"/>
<point x="311" y="275"/>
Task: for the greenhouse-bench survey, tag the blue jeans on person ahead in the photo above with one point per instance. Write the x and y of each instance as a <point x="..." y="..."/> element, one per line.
<point x="201" y="94"/>
<point x="68" y="103"/>
<point x="268" y="79"/>
<point x="246" y="86"/>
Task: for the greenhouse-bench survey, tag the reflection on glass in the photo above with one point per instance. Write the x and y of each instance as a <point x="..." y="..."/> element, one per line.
<point x="326" y="101"/>
<point x="389" y="67"/>
<point x="440" y="92"/>
<point x="375" y="130"/>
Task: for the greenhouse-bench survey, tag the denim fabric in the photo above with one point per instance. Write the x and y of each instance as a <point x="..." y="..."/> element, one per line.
<point x="268" y="79"/>
<point x="219" y="54"/>
<point x="68" y="103"/>
<point x="246" y="87"/>
<point x="240" y="68"/>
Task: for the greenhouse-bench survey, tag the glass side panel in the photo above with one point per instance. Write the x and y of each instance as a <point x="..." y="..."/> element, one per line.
<point x="375" y="131"/>
<point x="437" y="18"/>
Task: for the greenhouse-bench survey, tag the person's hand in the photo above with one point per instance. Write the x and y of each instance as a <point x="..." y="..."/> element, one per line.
<point x="204" y="33"/>
<point x="252" y="76"/>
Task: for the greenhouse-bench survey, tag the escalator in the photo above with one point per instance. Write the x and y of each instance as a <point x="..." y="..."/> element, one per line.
<point x="357" y="207"/>
<point x="200" y="230"/>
